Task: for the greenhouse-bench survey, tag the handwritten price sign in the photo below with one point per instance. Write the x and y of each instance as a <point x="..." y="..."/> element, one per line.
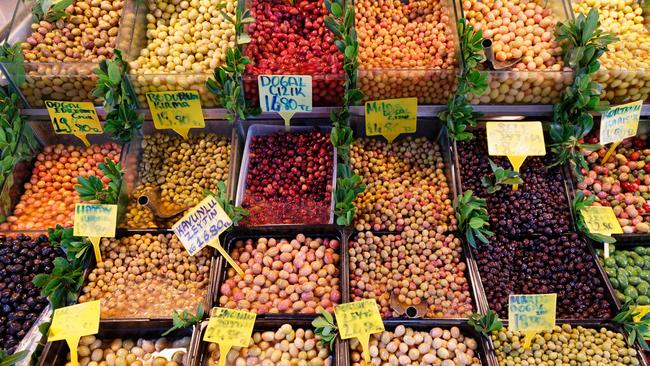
<point x="359" y="320"/>
<point x="73" y="322"/>
<point x="391" y="117"/>
<point x="176" y="110"/>
<point x="620" y="122"/>
<point x="228" y="328"/>
<point x="531" y="314"/>
<point x="76" y="118"/>
<point x="285" y="94"/>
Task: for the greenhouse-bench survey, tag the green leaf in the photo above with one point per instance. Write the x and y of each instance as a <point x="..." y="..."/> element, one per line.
<point x="336" y="10"/>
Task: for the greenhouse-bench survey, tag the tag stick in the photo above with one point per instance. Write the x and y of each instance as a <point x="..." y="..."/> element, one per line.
<point x="516" y="162"/>
<point x="287" y="115"/>
<point x="610" y="151"/>
<point x="82" y="137"/>
<point x="215" y="244"/>
<point x="98" y="254"/>
<point x="72" y="344"/>
<point x="224" y="348"/>
<point x="528" y="338"/>
<point x="184" y="132"/>
<point x="606" y="250"/>
<point x="364" y="339"/>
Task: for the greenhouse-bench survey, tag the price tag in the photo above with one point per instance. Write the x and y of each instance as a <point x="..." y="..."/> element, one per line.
<point x="531" y="314"/>
<point x="642" y="311"/>
<point x="73" y="322"/>
<point x="601" y="220"/>
<point x="285" y="94"/>
<point x="201" y="227"/>
<point x="76" y="118"/>
<point x="391" y="117"/>
<point x="228" y="328"/>
<point x="359" y="320"/>
<point x="176" y="110"/>
<point x="516" y="140"/>
<point x="96" y="222"/>
<point x="619" y="123"/>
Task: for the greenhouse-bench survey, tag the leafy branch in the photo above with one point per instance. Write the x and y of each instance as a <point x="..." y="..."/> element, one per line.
<point x="325" y="327"/>
<point x="580" y="201"/>
<point x="472" y="216"/>
<point x="226" y="84"/>
<point x="235" y="213"/>
<point x="582" y="45"/>
<point x="92" y="188"/>
<point x="500" y="177"/>
<point x="13" y="59"/>
<point x="184" y="320"/>
<point x="61" y="287"/>
<point x="50" y="10"/>
<point x="485" y="324"/>
<point x="77" y="249"/>
<point x="122" y="121"/>
<point x="11" y="360"/>
<point x="459" y="113"/>
<point x="348" y="187"/>
<point x="634" y="329"/>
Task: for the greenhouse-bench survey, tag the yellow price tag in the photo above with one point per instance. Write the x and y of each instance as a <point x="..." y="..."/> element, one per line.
<point x="642" y="311"/>
<point x="76" y="118"/>
<point x="73" y="322"/>
<point x="601" y="220"/>
<point x="285" y="94"/>
<point x="228" y="328"/>
<point x="201" y="227"/>
<point x="391" y="117"/>
<point x="96" y="222"/>
<point x="516" y="140"/>
<point x="359" y="320"/>
<point x="176" y="110"/>
<point x="531" y="314"/>
<point x="619" y="123"/>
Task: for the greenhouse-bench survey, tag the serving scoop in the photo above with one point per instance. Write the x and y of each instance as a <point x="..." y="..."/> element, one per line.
<point x="491" y="60"/>
<point x="151" y="200"/>
<point x="411" y="311"/>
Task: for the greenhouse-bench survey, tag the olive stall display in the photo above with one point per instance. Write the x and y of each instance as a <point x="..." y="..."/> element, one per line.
<point x="292" y="38"/>
<point x="402" y="271"/>
<point x="624" y="72"/>
<point x="177" y="45"/>
<point x="296" y="275"/>
<point x="407" y="346"/>
<point x="21" y="302"/>
<point x="173" y="174"/>
<point x="406" y="186"/>
<point x="406" y="49"/>
<point x="566" y="345"/>
<point x="49" y="195"/>
<point x="564" y="265"/>
<point x="93" y="350"/>
<point x="285" y="346"/>
<point x="628" y="269"/>
<point x="539" y="206"/>
<point x="527" y="60"/>
<point x="288" y="178"/>
<point x="147" y="276"/>
<point x="60" y="55"/>
<point x="622" y="182"/>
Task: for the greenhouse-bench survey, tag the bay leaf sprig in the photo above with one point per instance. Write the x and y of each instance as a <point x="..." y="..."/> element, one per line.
<point x="325" y="327"/>
<point x="92" y="188"/>
<point x="635" y="329"/>
<point x="185" y="319"/>
<point x="473" y="219"/>
<point x="485" y="324"/>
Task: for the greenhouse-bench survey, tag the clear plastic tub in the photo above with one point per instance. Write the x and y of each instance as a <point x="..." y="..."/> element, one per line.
<point x="266" y="130"/>
<point x="70" y="79"/>
<point x="430" y="86"/>
<point x="163" y="73"/>
<point x="526" y="73"/>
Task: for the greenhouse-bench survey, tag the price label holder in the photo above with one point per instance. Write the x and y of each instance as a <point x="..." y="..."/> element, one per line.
<point x="229" y="328"/>
<point x="76" y="118"/>
<point x="359" y="320"/>
<point x="601" y="220"/>
<point x="176" y="110"/>
<point x="285" y="94"/>
<point x="531" y="314"/>
<point x="619" y="123"/>
<point x="201" y="227"/>
<point x="73" y="322"/>
<point x="642" y="310"/>
<point x="391" y="117"/>
<point x="516" y="140"/>
<point x="96" y="222"/>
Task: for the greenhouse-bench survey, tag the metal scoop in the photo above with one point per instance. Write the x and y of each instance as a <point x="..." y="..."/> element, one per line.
<point x="411" y="311"/>
<point x="491" y="60"/>
<point x="151" y="200"/>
